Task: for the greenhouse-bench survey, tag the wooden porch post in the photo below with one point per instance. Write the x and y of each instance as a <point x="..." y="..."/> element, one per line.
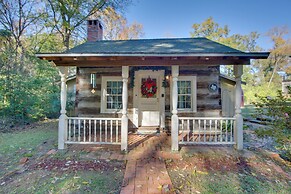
<point x="174" y="119"/>
<point x="238" y="132"/>
<point x="124" y="119"/>
<point x="63" y="71"/>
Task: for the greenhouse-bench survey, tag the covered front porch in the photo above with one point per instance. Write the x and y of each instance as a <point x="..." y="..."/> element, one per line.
<point x="171" y="84"/>
<point x="183" y="130"/>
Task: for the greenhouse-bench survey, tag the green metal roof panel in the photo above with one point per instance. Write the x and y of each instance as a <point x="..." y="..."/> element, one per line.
<point x="153" y="46"/>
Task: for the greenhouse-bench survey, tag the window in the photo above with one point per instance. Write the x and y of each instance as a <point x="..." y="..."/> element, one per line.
<point x="111" y="100"/>
<point x="187" y="93"/>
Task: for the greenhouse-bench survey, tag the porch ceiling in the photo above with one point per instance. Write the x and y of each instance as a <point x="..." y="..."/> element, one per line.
<point x="86" y="61"/>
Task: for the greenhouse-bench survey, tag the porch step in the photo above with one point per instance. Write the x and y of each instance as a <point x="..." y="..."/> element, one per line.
<point x="148" y="130"/>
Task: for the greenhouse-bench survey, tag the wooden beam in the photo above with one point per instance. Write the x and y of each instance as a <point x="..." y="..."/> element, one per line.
<point x="158" y="61"/>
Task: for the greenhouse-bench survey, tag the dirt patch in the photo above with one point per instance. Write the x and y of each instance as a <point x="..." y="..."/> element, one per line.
<point x="73" y="165"/>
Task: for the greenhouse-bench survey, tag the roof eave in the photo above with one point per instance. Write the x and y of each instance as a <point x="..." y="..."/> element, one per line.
<point x="260" y="55"/>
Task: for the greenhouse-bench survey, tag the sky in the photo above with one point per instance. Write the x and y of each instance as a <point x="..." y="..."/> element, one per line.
<point x="174" y="18"/>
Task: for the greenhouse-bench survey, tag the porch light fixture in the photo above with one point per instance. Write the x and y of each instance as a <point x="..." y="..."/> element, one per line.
<point x="93" y="80"/>
<point x="75" y="59"/>
<point x="165" y="82"/>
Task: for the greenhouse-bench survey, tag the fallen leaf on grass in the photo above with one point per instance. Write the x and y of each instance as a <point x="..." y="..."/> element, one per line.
<point x="185" y="167"/>
<point x="181" y="186"/>
<point x="201" y="172"/>
<point x="85" y="183"/>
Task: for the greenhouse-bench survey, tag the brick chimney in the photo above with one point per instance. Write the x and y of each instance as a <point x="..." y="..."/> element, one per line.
<point x="94" y="30"/>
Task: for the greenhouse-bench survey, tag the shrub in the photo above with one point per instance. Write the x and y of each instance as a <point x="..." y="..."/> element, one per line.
<point x="278" y="109"/>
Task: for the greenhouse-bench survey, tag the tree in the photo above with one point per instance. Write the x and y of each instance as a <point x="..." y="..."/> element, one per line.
<point x="117" y="27"/>
<point x="27" y="85"/>
<point x="25" y="81"/>
<point x="17" y="17"/>
<point x="69" y="15"/>
<point x="280" y="52"/>
<point x="212" y="30"/>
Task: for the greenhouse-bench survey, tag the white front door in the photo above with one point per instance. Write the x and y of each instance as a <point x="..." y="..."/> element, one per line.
<point x="150" y="97"/>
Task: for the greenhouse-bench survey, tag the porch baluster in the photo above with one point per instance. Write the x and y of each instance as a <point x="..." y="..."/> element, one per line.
<point x="100" y="132"/>
<point x="84" y="129"/>
<point x="95" y="134"/>
<point x="89" y="130"/>
<point x="117" y="124"/>
<point x="220" y="130"/>
<point x="215" y="136"/>
<point x="106" y="128"/>
<point x="111" y="131"/>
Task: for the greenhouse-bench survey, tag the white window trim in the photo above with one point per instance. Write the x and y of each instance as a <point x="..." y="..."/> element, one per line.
<point x="193" y="79"/>
<point x="104" y="93"/>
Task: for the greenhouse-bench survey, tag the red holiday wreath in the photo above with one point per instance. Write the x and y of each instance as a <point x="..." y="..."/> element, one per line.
<point x="149" y="87"/>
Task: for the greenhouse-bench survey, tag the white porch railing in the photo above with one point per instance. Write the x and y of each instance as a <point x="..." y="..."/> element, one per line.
<point x="93" y="131"/>
<point x="200" y="130"/>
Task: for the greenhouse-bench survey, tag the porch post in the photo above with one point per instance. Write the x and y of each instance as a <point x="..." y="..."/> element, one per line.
<point x="174" y="119"/>
<point x="63" y="71"/>
<point x="124" y="119"/>
<point x="238" y="132"/>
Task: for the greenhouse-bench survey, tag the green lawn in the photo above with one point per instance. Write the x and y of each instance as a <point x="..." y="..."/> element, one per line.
<point x="249" y="111"/>
<point x="33" y="143"/>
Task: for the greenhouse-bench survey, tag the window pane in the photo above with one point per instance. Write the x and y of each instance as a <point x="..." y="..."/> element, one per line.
<point x="184" y="95"/>
<point x="188" y="84"/>
<point x="114" y="95"/>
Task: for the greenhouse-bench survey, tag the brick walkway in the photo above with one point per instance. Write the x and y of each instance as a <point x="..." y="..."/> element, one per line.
<point x="146" y="170"/>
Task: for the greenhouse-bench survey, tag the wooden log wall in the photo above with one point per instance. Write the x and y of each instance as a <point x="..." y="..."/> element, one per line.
<point x="88" y="103"/>
<point x="208" y="103"/>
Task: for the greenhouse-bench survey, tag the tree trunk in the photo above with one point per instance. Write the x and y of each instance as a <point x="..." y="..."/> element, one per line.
<point x="67" y="41"/>
<point x="273" y="73"/>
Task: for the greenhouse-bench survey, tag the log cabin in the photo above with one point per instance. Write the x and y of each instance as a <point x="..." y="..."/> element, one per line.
<point x="149" y="86"/>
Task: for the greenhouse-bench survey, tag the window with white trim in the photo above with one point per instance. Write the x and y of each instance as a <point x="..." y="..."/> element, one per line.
<point x="111" y="92"/>
<point x="187" y="94"/>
